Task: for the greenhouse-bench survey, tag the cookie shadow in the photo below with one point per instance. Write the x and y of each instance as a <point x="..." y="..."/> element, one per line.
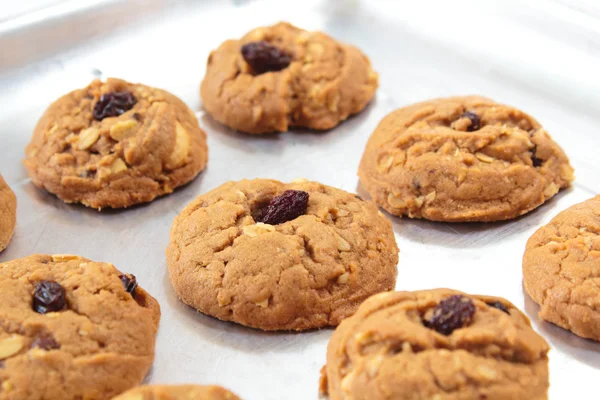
<point x="468" y="234"/>
<point x="231" y="138"/>
<point x="276" y="141"/>
<point x="172" y="202"/>
<point x="238" y="337"/>
<point x="586" y="351"/>
<point x="148" y="378"/>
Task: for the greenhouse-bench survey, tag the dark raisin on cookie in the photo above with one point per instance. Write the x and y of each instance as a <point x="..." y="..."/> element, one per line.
<point x="48" y="296"/>
<point x="499" y="306"/>
<point x="417" y="185"/>
<point x="113" y="104"/>
<point x="286" y="207"/>
<point x="87" y="174"/>
<point x="536" y="162"/>
<point x="129" y="283"/>
<point x="264" y="57"/>
<point x="45" y="342"/>
<point x="474" y="118"/>
<point x="452" y="313"/>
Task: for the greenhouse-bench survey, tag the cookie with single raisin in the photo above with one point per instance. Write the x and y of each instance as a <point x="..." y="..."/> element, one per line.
<point x="177" y="392"/>
<point x="561" y="269"/>
<point x="115" y="144"/>
<point x="462" y="159"/>
<point x="8" y="213"/>
<point x="281" y="76"/>
<point x="278" y="256"/>
<point x="436" y="344"/>
<point x="72" y="329"/>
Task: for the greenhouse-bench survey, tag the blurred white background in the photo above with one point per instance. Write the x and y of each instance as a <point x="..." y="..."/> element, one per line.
<point x="10" y="8"/>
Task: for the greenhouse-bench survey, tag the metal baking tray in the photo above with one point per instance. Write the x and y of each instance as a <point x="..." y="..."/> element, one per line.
<point x="541" y="56"/>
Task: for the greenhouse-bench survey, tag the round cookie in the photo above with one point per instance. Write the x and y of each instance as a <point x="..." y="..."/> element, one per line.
<point x="281" y="76"/>
<point x="181" y="392"/>
<point x="436" y="344"/>
<point x="115" y="144"/>
<point x="561" y="269"/>
<point x="8" y="213"/>
<point x="462" y="159"/>
<point x="278" y="256"/>
<point x="72" y="329"/>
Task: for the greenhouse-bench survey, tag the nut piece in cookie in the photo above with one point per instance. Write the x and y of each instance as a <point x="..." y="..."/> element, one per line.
<point x="561" y="269"/>
<point x="8" y="213"/>
<point x="462" y="159"/>
<point x="177" y="392"/>
<point x="281" y="76"/>
<point x="278" y="256"/>
<point x="436" y="344"/>
<point x="74" y="323"/>
<point x="114" y="144"/>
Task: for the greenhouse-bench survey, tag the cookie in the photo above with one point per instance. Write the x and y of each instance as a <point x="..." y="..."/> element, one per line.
<point x="561" y="269"/>
<point x="436" y="344"/>
<point x="181" y="392"/>
<point x="462" y="159"/>
<point x="72" y="329"/>
<point x="282" y="76"/>
<point x="115" y="144"/>
<point x="8" y="213"/>
<point x="278" y="256"/>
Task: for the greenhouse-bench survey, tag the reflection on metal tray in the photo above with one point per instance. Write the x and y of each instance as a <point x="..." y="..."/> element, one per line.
<point x="541" y="59"/>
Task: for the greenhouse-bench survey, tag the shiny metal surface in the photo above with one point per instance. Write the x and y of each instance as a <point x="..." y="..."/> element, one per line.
<point x="537" y="55"/>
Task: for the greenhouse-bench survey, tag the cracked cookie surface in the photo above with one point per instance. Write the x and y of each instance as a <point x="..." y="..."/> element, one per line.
<point x="99" y="344"/>
<point x="179" y="392"/>
<point x="325" y="82"/>
<point x="309" y="272"/>
<point x="385" y="351"/>
<point x="561" y="269"/>
<point x="462" y="159"/>
<point x="121" y="155"/>
<point x="8" y="213"/>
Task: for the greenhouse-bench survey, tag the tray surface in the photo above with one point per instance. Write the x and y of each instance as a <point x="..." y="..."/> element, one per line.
<point x="543" y="60"/>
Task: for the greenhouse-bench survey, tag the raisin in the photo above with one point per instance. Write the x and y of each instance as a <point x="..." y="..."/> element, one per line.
<point x="48" y="296"/>
<point x="286" y="207"/>
<point x="452" y="313"/>
<point x="129" y="283"/>
<point x="87" y="174"/>
<point x="499" y="306"/>
<point x="532" y="132"/>
<point x="264" y="57"/>
<point x="113" y="104"/>
<point x="475" y="120"/>
<point x="417" y="185"/>
<point x="45" y="342"/>
<point x="536" y="162"/>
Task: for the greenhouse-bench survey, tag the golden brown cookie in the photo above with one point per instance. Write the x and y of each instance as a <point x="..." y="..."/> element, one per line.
<point x="115" y="144"/>
<point x="8" y="213"/>
<point x="281" y="76"/>
<point x="436" y="344"/>
<point x="278" y="256"/>
<point x="181" y="392"/>
<point x="462" y="159"/>
<point x="561" y="269"/>
<point x="72" y="329"/>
